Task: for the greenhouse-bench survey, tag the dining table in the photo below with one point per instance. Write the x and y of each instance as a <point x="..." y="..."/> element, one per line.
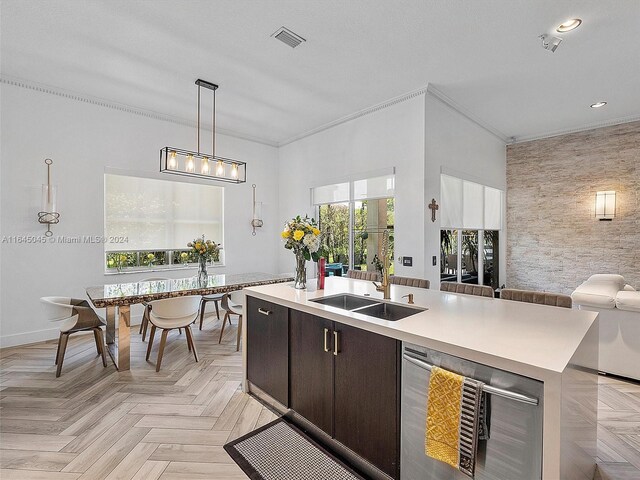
<point x="117" y="299"/>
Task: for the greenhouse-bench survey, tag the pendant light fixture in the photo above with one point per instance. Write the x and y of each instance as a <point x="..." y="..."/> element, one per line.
<point x="203" y="165"/>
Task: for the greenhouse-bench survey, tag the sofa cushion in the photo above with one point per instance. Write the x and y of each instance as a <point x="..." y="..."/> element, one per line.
<point x="630" y="301"/>
<point x="607" y="278"/>
<point x="600" y="295"/>
<point x="629" y="288"/>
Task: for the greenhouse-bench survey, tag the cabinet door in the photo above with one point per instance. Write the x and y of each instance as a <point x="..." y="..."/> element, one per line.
<point x="312" y="369"/>
<point x="366" y="415"/>
<point x="268" y="348"/>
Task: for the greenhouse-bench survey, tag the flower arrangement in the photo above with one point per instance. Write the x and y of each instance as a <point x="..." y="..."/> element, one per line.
<point x="204" y="249"/>
<point x="303" y="237"/>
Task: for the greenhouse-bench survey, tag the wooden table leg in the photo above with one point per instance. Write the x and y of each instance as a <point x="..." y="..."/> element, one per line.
<point x="118" y="340"/>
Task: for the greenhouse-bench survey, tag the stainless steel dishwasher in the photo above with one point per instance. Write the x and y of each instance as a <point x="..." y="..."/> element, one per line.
<point x="514" y="448"/>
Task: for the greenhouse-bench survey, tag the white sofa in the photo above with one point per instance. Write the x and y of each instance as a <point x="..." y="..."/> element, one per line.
<point x="618" y="306"/>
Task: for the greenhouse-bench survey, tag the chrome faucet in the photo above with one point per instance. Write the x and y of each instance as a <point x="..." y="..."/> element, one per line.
<point x="385" y="285"/>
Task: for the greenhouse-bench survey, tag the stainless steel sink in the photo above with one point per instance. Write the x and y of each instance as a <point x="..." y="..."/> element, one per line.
<point x="346" y="301"/>
<point x="390" y="311"/>
<point x="368" y="306"/>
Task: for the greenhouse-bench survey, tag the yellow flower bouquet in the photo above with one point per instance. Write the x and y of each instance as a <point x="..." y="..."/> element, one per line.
<point x="204" y="250"/>
<point x="303" y="237"/>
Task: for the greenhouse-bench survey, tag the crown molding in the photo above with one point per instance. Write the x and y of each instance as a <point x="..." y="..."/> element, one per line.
<point x="581" y="128"/>
<point x="79" y="97"/>
<point x="448" y="101"/>
<point x="361" y="113"/>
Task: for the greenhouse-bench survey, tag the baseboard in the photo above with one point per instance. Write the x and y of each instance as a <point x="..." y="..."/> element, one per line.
<point x="26" y="338"/>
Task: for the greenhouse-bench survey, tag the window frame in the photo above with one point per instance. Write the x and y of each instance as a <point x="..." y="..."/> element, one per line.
<point x="171" y="266"/>
<point x="351" y="202"/>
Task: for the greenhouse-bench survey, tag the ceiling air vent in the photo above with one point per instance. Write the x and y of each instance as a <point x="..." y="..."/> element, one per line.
<point x="288" y="37"/>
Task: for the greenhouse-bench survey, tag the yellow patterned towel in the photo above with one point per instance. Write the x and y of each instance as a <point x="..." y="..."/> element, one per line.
<point x="443" y="416"/>
<point x="453" y="411"/>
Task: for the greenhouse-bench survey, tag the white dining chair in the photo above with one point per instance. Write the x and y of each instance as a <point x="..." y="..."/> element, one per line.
<point x="169" y="314"/>
<point x="216" y="298"/>
<point x="232" y="305"/>
<point x="147" y="307"/>
<point x="74" y="315"/>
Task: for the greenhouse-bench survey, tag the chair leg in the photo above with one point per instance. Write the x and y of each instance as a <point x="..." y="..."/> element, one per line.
<point x="188" y="341"/>
<point x="142" y="323"/>
<point x="239" y="333"/>
<point x="163" y="341"/>
<point x="103" y="347"/>
<point x="145" y="323"/>
<point x="97" y="340"/>
<point x="215" y="302"/>
<point x="224" y="321"/>
<point x="179" y="331"/>
<point x="145" y="326"/>
<point x="203" y="302"/>
<point x="58" y="349"/>
<point x="192" y="346"/>
<point x="63" y="348"/>
<point x="152" y="335"/>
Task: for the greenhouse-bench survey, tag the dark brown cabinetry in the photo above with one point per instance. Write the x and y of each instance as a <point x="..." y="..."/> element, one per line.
<point x="312" y="369"/>
<point x="366" y="399"/>
<point x="268" y="348"/>
<point x="346" y="381"/>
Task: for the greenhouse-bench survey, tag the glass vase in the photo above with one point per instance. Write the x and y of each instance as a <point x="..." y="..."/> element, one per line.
<point x="203" y="276"/>
<point x="301" y="271"/>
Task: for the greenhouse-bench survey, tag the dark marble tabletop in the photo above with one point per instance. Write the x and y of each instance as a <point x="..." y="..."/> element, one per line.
<point x="120" y="294"/>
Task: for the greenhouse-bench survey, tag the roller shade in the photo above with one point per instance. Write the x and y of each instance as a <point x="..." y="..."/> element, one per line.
<point x="469" y="205"/>
<point x="160" y="214"/>
<point x="376" y="187"/>
<point x="335" y="193"/>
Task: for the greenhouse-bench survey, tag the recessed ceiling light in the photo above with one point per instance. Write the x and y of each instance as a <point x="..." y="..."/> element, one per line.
<point x="598" y="104"/>
<point x="569" y="25"/>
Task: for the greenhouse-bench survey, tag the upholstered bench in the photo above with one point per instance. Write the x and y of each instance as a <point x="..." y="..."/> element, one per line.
<point x="618" y="306"/>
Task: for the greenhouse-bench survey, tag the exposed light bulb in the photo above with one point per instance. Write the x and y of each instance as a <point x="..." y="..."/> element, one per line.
<point x="234" y="170"/>
<point x="189" y="165"/>
<point x="220" y="168"/>
<point x="204" y="169"/>
<point x="173" y="162"/>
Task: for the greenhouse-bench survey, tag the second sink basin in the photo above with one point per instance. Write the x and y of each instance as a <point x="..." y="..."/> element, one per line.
<point x="390" y="311"/>
<point x="369" y="306"/>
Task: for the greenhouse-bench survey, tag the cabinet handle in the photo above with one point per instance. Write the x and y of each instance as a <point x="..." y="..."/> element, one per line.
<point x="326" y="340"/>
<point x="264" y="312"/>
<point x="335" y="343"/>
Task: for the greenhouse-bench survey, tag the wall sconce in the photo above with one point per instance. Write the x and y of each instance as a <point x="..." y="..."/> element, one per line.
<point x="256" y="221"/>
<point x="606" y="205"/>
<point x="48" y="215"/>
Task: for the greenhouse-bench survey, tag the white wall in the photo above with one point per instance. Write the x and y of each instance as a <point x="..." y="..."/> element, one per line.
<point x="83" y="139"/>
<point x="463" y="148"/>
<point x="391" y="137"/>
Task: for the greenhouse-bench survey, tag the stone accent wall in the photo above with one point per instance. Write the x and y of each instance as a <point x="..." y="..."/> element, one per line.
<point x="554" y="241"/>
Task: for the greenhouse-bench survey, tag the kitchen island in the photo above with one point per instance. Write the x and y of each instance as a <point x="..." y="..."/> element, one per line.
<point x="553" y="348"/>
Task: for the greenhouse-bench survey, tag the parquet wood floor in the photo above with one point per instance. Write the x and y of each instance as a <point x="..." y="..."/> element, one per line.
<point x="96" y="423"/>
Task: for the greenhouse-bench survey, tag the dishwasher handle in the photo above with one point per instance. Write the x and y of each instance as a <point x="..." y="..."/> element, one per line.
<point x="499" y="392"/>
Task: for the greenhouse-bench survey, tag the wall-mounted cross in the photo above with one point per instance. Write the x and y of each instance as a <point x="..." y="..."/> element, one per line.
<point x="433" y="206"/>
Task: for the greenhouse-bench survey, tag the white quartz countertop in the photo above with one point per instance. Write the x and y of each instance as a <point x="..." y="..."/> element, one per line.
<point x="532" y="340"/>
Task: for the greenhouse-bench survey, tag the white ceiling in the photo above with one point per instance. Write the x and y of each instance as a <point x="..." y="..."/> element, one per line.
<point x="484" y="55"/>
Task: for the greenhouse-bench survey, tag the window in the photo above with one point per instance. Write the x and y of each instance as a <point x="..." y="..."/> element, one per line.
<point x="148" y="222"/>
<point x="354" y="216"/>
<point x="471" y="222"/>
